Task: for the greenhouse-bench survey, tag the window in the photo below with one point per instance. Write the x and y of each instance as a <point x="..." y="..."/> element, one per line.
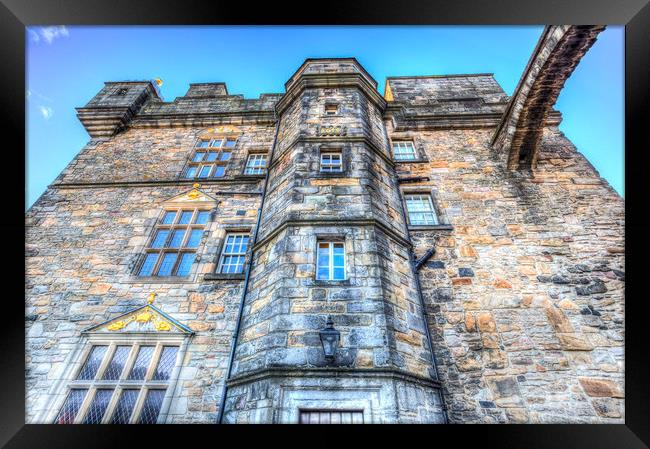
<point x="331" y="417"/>
<point x="330" y="261"/>
<point x="120" y="384"/>
<point x="420" y="210"/>
<point x="403" y="150"/>
<point x="233" y="253"/>
<point x="256" y="164"/>
<point x="331" y="162"/>
<point x="331" y="109"/>
<point x="173" y="246"/>
<point x="210" y="158"/>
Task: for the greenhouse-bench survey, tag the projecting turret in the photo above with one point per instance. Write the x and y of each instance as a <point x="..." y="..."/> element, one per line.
<point x="111" y="110"/>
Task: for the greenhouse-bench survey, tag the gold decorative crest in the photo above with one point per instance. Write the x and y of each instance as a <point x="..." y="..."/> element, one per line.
<point x="116" y="326"/>
<point x="142" y="320"/>
<point x="225" y="129"/>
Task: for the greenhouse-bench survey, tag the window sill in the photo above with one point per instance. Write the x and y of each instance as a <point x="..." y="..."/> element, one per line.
<point x="327" y="174"/>
<point x="224" y="277"/>
<point x="245" y="176"/>
<point x="331" y="283"/>
<point x="410" y="161"/>
<point x="162" y="279"/>
<point x="440" y="227"/>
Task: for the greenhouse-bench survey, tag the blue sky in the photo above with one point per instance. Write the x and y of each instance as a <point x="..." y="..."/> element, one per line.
<point x="66" y="66"/>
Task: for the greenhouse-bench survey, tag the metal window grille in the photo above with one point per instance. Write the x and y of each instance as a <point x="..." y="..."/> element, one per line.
<point x="331" y="417"/>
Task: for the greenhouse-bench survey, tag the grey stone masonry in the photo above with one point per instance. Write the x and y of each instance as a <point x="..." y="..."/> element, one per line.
<point x="514" y="312"/>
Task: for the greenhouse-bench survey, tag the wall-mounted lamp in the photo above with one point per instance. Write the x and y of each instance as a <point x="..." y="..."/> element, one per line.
<point x="329" y="337"/>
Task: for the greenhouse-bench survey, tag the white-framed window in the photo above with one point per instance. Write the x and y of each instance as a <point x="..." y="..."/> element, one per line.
<point x="420" y="209"/>
<point x="172" y="248"/>
<point x="330" y="260"/>
<point x="210" y="158"/>
<point x="331" y="162"/>
<point x="331" y="109"/>
<point x="256" y="164"/>
<point x="121" y="382"/>
<point x="403" y="150"/>
<point x="233" y="254"/>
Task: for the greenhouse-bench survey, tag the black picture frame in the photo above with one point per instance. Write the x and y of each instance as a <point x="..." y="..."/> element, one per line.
<point x="634" y="14"/>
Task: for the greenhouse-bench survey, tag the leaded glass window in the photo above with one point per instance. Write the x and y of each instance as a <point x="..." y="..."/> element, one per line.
<point x="71" y="406"/>
<point x="330" y="260"/>
<point x="116" y="366"/>
<point x="166" y="363"/>
<point x="256" y="164"/>
<point x="172" y="249"/>
<point x="420" y="210"/>
<point x="403" y="150"/>
<point x="142" y="362"/>
<point x="210" y="158"/>
<point x="98" y="406"/>
<point x="92" y="362"/>
<point x="233" y="254"/>
<point x="151" y="407"/>
<point x="124" y="407"/>
<point x="120" y="384"/>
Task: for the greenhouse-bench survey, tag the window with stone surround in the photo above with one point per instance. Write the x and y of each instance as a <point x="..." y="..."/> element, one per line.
<point x="255" y="164"/>
<point x="330" y="260"/>
<point x="233" y="254"/>
<point x="331" y="162"/>
<point x="330" y="416"/>
<point x="331" y="109"/>
<point x="120" y="383"/>
<point x="403" y="150"/>
<point x="173" y="245"/>
<point x="210" y="158"/>
<point x="421" y="212"/>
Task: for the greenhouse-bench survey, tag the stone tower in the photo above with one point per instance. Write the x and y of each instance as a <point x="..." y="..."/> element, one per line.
<point x="332" y="107"/>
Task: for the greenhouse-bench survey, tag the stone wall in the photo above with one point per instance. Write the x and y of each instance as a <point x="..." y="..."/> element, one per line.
<point x="82" y="249"/>
<point x="525" y="294"/>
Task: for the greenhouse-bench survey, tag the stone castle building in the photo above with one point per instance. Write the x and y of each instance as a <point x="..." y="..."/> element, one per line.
<point x="183" y="266"/>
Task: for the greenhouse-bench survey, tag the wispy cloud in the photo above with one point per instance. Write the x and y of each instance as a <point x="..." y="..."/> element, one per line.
<point x="33" y="94"/>
<point x="47" y="34"/>
<point x="46" y="111"/>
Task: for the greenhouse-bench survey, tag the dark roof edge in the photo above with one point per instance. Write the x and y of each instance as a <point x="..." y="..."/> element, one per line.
<point x="457" y="75"/>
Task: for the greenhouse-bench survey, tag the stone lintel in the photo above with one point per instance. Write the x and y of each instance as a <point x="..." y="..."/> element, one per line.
<point x="282" y="373"/>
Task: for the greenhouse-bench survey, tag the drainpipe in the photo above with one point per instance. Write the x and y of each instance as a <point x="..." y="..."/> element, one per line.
<point x="418" y="287"/>
<point x="247" y="276"/>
